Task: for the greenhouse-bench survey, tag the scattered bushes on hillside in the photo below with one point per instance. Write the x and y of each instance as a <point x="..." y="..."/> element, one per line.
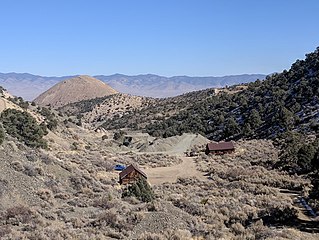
<point x="20" y="102"/>
<point x="82" y="201"/>
<point x="82" y="106"/>
<point x="314" y="193"/>
<point x="3" y="186"/>
<point x="50" y="120"/>
<point x="4" y="230"/>
<point x="286" y="216"/>
<point x="24" y="127"/>
<point x="2" y="90"/>
<point x="283" y="102"/>
<point x="152" y="160"/>
<point x="19" y="214"/>
<point x="118" y="135"/>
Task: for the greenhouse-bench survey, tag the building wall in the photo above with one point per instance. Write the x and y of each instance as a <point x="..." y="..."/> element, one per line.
<point x="131" y="177"/>
<point x="219" y="152"/>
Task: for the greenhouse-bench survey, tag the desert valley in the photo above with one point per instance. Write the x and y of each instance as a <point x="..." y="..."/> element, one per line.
<point x="86" y="161"/>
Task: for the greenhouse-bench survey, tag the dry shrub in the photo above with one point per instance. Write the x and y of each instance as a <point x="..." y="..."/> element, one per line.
<point x="78" y="183"/>
<point x="4" y="230"/>
<point x="237" y="228"/>
<point x="17" y="166"/>
<point x="32" y="157"/>
<point x="39" y="171"/>
<point x="45" y="194"/>
<point x="53" y="233"/>
<point x="45" y="158"/>
<point x="87" y="192"/>
<point x="19" y="214"/>
<point x="136" y="217"/>
<point x="104" y="202"/>
<point x="62" y="196"/>
<point x="178" y="234"/>
<point x="3" y="186"/>
<point x="78" y="202"/>
<point x="189" y="206"/>
<point x="259" y="230"/>
<point x="104" y="165"/>
<point x="30" y="171"/>
<point x="52" y="185"/>
<point x="77" y="222"/>
<point x="131" y="200"/>
<point x="107" y="218"/>
<point x="154" y="206"/>
<point x="151" y="236"/>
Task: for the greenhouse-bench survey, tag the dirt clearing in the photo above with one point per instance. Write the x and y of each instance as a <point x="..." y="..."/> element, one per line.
<point x="161" y="175"/>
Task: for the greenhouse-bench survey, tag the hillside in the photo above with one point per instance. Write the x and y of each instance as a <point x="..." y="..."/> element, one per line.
<point x="57" y="178"/>
<point x="68" y="189"/>
<point x="30" y="86"/>
<point x="262" y="109"/>
<point x="74" y="90"/>
<point x="126" y="111"/>
<point x="94" y="112"/>
<point x="5" y="102"/>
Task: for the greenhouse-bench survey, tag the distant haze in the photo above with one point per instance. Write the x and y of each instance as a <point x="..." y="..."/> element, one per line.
<point x="30" y="86"/>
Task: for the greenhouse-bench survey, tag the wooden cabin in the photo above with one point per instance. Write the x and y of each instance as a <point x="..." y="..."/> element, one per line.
<point x="131" y="174"/>
<point x="220" y="148"/>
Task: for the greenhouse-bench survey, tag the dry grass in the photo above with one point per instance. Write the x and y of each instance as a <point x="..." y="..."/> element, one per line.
<point x="76" y="195"/>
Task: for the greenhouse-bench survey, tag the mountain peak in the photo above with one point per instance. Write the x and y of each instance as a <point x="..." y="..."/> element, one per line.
<point x="82" y="87"/>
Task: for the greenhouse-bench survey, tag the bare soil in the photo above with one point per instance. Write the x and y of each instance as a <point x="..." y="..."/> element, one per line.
<point x="170" y="174"/>
<point x="74" y="90"/>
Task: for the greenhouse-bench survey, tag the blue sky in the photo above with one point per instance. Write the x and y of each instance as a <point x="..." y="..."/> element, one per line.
<point x="165" y="37"/>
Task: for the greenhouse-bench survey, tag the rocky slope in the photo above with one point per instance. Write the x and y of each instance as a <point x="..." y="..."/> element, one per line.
<point x="74" y="90"/>
<point x="94" y="112"/>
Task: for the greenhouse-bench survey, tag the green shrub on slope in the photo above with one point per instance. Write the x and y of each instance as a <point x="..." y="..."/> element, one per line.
<point x="141" y="190"/>
<point x="2" y="135"/>
<point x="24" y="127"/>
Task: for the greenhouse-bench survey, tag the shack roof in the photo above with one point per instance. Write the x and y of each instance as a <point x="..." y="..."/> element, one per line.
<point x="221" y="146"/>
<point x="129" y="169"/>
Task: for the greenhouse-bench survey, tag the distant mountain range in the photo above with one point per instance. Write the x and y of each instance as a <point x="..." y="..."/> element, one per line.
<point x="30" y="86"/>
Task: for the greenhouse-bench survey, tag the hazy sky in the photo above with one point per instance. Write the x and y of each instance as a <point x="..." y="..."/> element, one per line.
<point x="165" y="37"/>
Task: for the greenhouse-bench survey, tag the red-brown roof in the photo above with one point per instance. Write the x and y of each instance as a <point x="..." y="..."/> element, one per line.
<point x="129" y="169"/>
<point x="221" y="146"/>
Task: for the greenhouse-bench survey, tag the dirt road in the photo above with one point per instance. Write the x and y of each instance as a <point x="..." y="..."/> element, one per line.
<point x="187" y="168"/>
<point x="3" y="105"/>
<point x="295" y="195"/>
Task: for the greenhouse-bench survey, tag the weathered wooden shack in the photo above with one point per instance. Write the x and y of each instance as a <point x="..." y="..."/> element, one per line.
<point x="131" y="174"/>
<point x="220" y="148"/>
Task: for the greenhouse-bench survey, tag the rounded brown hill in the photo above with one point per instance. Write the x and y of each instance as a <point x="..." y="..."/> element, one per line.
<point x="74" y="90"/>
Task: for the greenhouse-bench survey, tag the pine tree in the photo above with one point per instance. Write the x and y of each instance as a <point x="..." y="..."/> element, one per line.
<point x="2" y="134"/>
<point x="254" y="119"/>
